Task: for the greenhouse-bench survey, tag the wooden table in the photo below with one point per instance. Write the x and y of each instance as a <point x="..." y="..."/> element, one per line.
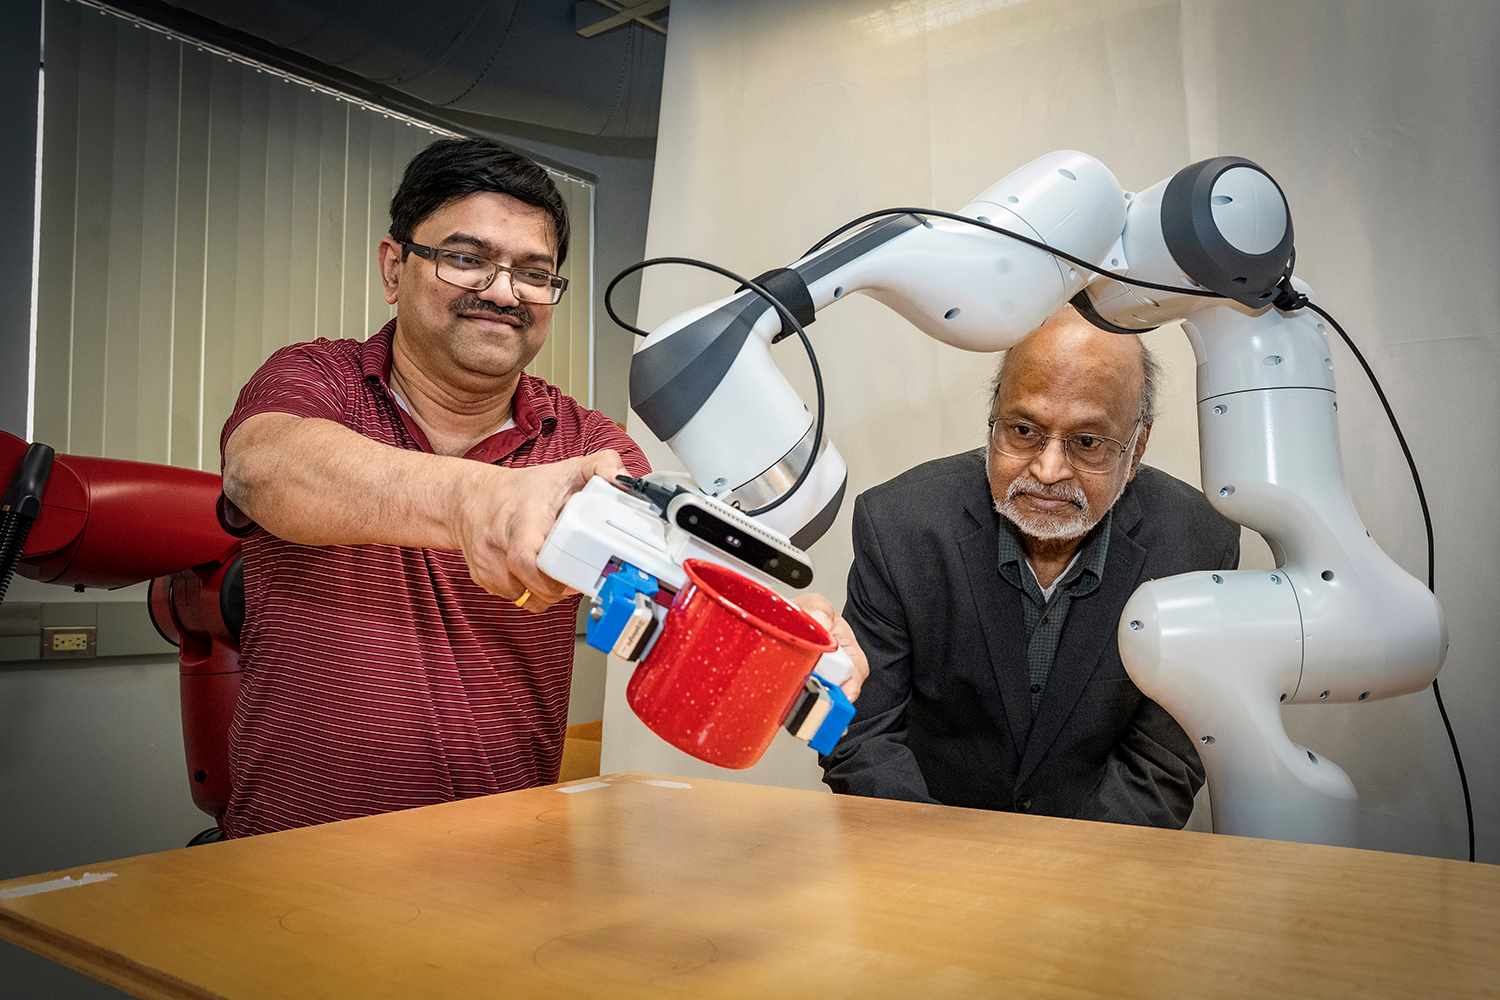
<point x="639" y="886"/>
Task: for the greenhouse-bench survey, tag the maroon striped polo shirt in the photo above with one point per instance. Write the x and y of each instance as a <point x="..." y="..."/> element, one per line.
<point x="378" y="677"/>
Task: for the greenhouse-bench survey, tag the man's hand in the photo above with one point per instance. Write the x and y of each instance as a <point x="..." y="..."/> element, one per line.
<point x="817" y="605"/>
<point x="501" y="518"/>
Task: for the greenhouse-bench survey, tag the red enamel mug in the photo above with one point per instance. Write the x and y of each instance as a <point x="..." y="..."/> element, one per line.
<point x="731" y="658"/>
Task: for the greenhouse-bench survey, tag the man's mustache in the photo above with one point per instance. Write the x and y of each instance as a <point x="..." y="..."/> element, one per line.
<point x="1057" y="491"/>
<point x="474" y="304"/>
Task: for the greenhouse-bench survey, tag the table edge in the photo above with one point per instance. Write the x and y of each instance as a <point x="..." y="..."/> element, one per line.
<point x="90" y="960"/>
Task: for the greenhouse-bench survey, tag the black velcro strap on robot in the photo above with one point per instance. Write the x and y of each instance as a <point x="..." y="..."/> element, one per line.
<point x="789" y="288"/>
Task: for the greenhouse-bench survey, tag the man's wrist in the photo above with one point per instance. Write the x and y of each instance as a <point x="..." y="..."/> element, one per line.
<point x="466" y="481"/>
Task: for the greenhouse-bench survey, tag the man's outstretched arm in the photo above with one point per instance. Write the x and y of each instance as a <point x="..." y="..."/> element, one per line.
<point x="315" y="482"/>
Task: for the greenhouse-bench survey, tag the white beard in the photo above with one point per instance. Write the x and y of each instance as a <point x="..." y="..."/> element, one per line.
<point x="1064" y="525"/>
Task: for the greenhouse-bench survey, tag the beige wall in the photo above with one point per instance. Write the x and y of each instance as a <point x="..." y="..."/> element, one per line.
<point x="782" y="119"/>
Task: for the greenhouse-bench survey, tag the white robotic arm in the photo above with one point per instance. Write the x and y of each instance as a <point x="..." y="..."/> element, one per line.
<point x="704" y="381"/>
<point x="1337" y="620"/>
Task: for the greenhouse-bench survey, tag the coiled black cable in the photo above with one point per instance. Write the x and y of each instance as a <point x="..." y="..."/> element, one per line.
<point x="13" y="532"/>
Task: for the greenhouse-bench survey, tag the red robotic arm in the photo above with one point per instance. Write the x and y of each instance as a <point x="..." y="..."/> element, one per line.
<point x="99" y="522"/>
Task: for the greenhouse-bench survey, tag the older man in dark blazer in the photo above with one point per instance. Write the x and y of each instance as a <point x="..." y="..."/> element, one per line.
<point x="986" y="589"/>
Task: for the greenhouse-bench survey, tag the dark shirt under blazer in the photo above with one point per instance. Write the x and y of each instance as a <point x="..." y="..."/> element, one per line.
<point x="946" y="714"/>
<point x="1042" y="617"/>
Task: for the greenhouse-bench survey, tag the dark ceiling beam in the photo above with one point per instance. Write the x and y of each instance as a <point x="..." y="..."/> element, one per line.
<point x="585" y="15"/>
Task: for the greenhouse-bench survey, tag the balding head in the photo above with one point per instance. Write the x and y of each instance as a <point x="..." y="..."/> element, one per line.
<point x="1066" y="338"/>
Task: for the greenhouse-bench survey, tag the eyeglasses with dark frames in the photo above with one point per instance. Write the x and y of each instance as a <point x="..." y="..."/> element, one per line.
<point x="467" y="270"/>
<point x="1084" y="451"/>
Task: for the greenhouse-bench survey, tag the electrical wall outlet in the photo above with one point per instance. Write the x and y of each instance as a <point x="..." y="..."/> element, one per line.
<point x="78" y="629"/>
<point x="65" y="641"/>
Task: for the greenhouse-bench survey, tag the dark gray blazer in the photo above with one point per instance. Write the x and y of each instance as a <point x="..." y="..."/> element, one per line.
<point x="946" y="713"/>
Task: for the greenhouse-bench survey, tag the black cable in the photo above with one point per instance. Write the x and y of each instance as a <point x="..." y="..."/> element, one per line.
<point x="1459" y="760"/>
<point x="787" y="319"/>
<point x="1411" y="463"/>
<point x="1416" y="479"/>
<point x="991" y="227"/>
<point x="609" y="306"/>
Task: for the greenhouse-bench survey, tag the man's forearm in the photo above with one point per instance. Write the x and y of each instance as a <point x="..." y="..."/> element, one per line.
<point x="1150" y="778"/>
<point x="1140" y="796"/>
<point x="881" y="767"/>
<point x="315" y="482"/>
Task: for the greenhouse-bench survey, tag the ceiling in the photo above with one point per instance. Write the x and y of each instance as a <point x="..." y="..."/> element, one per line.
<point x="499" y="61"/>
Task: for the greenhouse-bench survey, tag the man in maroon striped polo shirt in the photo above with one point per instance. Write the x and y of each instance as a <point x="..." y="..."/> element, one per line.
<point x="400" y="646"/>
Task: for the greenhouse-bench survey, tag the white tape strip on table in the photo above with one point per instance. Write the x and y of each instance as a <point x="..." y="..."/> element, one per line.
<point x="588" y="787"/>
<point x="52" y="885"/>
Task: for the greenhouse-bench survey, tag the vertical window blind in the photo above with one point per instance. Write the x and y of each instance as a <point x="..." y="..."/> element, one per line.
<point x="199" y="211"/>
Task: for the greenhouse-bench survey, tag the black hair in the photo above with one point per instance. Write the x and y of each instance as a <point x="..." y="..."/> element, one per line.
<point x="455" y="168"/>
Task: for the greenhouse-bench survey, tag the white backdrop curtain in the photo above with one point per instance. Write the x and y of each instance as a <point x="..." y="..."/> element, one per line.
<point x="781" y="120"/>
